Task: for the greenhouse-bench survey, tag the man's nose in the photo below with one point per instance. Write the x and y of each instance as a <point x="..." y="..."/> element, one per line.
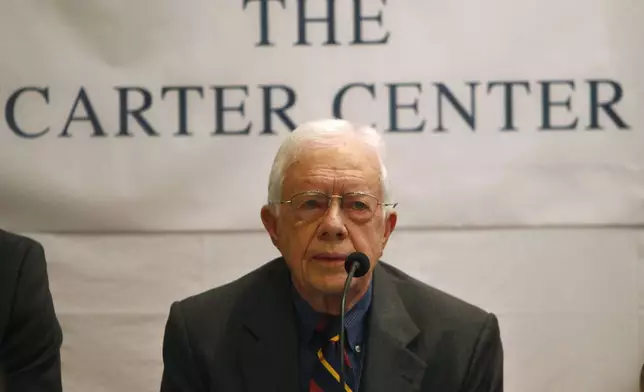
<point x="332" y="226"/>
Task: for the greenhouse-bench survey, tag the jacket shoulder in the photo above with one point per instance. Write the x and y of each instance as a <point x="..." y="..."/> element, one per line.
<point x="460" y="342"/>
<point x="15" y="251"/>
<point x="227" y="293"/>
<point x="426" y="303"/>
<point x="207" y="313"/>
<point x="15" y="245"/>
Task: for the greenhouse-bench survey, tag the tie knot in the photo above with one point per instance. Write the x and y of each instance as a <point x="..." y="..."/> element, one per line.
<point x="328" y="328"/>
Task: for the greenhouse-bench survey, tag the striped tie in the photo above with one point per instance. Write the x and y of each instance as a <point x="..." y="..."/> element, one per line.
<point x="326" y="372"/>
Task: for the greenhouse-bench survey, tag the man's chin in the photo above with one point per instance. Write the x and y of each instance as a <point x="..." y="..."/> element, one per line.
<point x="330" y="286"/>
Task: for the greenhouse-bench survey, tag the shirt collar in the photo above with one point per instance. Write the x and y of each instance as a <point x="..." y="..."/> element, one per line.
<point x="354" y="319"/>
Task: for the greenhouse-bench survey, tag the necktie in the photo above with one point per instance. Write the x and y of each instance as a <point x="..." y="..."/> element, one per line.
<point x="326" y="372"/>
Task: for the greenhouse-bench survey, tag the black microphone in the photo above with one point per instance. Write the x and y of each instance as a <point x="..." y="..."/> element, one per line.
<point x="356" y="265"/>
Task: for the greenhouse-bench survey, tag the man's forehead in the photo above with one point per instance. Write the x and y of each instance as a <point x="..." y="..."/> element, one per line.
<point x="361" y="162"/>
<point x="333" y="173"/>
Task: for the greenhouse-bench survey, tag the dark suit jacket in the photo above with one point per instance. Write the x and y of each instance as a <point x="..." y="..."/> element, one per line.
<point x="30" y="335"/>
<point x="242" y="337"/>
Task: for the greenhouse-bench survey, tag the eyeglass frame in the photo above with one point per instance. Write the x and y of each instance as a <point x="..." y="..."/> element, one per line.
<point x="331" y="197"/>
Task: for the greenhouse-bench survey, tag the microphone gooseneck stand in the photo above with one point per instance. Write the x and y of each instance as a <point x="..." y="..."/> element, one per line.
<point x="347" y="283"/>
<point x="357" y="265"/>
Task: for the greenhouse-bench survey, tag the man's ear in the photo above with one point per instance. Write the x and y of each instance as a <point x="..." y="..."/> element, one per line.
<point x="270" y="223"/>
<point x="390" y="225"/>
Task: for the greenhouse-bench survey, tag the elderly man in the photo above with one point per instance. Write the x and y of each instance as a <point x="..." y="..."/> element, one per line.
<point x="276" y="329"/>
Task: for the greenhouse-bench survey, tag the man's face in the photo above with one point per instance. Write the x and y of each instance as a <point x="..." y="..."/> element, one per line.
<point x="315" y="249"/>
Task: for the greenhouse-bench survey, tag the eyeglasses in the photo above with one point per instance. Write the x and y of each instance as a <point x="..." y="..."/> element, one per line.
<point x="312" y="205"/>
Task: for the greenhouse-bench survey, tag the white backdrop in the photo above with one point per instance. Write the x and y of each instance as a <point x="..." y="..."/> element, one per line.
<point x="541" y="223"/>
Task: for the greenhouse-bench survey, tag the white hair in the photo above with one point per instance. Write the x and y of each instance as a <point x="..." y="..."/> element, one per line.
<point x="319" y="132"/>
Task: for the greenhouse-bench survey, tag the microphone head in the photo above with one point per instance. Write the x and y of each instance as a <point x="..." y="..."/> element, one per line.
<point x="362" y="260"/>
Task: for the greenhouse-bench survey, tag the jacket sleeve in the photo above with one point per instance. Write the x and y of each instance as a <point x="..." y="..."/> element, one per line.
<point x="30" y="351"/>
<point x="180" y="371"/>
<point x="485" y="371"/>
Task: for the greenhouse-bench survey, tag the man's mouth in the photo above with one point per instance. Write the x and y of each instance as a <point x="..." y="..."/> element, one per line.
<point x="330" y="256"/>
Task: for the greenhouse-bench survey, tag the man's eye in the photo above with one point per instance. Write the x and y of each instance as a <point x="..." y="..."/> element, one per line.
<point x="311" y="204"/>
<point x="359" y="206"/>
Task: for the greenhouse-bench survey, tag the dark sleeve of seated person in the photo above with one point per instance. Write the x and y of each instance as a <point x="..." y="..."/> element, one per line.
<point x="30" y="334"/>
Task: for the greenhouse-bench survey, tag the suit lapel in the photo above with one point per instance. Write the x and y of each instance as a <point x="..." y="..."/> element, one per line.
<point x="390" y="365"/>
<point x="268" y="345"/>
